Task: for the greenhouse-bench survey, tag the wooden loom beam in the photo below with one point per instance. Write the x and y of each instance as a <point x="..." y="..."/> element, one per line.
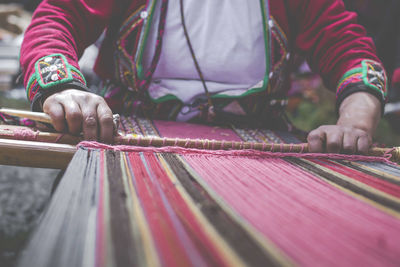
<point x="54" y="150"/>
<point x="35" y="154"/>
<point x="8" y="132"/>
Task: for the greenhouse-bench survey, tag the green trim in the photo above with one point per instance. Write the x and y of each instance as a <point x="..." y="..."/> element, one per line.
<point x="104" y="90"/>
<point x="365" y="78"/>
<point x="265" y="17"/>
<point x="79" y="72"/>
<point x="164" y="98"/>
<point x="247" y="93"/>
<point x="142" y="46"/>
<point x="169" y="97"/>
<point x="30" y="81"/>
<point x="51" y="84"/>
<point x="349" y="73"/>
<point x="363" y="71"/>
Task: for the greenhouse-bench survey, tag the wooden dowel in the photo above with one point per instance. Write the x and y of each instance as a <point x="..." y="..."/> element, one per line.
<point x="35" y="154"/>
<point x="35" y="116"/>
<point x="225" y="145"/>
<point x="26" y="133"/>
<point x="43" y="117"/>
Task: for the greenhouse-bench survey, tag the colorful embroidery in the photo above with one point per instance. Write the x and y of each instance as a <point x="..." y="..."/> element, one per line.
<point x="374" y="76"/>
<point x="51" y="71"/>
<point x="280" y="39"/>
<point x="371" y="74"/>
<point x="131" y="34"/>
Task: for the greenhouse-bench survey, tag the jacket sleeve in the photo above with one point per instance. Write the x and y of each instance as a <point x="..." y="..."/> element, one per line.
<point x="57" y="36"/>
<point x="337" y="47"/>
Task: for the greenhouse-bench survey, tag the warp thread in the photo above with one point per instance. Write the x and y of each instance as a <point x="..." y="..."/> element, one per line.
<point x="190" y="203"/>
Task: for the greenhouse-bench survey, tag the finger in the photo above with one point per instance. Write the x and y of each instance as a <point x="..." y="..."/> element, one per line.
<point x="90" y="124"/>
<point x="105" y="116"/>
<point x="363" y="144"/>
<point x="56" y="112"/>
<point x="73" y="115"/>
<point x="350" y="143"/>
<point x="316" y="140"/>
<point x="334" y="141"/>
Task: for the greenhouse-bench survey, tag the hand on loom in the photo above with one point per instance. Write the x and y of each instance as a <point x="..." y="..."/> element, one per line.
<point x="359" y="115"/>
<point x="76" y="111"/>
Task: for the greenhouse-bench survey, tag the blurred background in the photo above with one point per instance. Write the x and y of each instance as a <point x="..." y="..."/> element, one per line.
<point x="24" y="192"/>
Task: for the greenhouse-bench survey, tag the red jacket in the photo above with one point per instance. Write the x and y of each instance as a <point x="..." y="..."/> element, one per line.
<point x="335" y="46"/>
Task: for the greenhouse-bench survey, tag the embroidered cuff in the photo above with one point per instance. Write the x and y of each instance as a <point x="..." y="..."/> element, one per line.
<point x="369" y="77"/>
<point x="52" y="74"/>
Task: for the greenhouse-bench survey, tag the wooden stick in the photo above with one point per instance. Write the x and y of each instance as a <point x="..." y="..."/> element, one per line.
<point x="14" y="132"/>
<point x="35" y="154"/>
<point x="43" y="117"/>
<point x="29" y="134"/>
<point x="36" y="116"/>
<point x="226" y="145"/>
<point x="9" y="132"/>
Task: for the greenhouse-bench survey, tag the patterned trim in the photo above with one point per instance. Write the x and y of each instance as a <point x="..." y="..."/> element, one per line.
<point x="125" y="67"/>
<point x="51" y="71"/>
<point x="145" y="34"/>
<point x="370" y="74"/>
<point x="146" y="79"/>
<point x="280" y="37"/>
<point x="268" y="41"/>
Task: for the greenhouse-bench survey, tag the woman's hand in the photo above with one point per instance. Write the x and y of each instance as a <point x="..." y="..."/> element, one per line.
<point x="339" y="139"/>
<point x="76" y="111"/>
<point x="359" y="115"/>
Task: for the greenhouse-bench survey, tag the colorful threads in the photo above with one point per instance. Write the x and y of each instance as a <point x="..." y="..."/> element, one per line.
<point x="176" y="206"/>
<point x="278" y="211"/>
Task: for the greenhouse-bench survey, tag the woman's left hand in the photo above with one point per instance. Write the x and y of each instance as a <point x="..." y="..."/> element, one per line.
<point x="359" y="115"/>
<point x="339" y="139"/>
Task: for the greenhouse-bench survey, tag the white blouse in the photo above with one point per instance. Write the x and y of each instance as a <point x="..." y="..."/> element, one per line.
<point x="228" y="40"/>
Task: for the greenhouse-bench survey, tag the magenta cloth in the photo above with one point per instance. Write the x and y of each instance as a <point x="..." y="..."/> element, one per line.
<point x="193" y="131"/>
<point x="174" y="206"/>
<point x="292" y="210"/>
<point x="279" y="200"/>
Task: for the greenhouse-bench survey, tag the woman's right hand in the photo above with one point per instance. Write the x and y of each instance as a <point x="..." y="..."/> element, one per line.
<point x="76" y="111"/>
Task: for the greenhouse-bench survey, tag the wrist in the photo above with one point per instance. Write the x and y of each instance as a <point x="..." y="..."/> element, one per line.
<point x="41" y="96"/>
<point x="360" y="110"/>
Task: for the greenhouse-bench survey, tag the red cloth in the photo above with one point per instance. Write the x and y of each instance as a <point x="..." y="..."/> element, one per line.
<point x="321" y="29"/>
<point x="330" y="37"/>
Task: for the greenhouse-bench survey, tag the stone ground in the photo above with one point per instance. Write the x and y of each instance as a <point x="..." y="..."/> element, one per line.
<point x="24" y="193"/>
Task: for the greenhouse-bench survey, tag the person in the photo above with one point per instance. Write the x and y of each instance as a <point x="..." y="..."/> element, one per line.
<point x="187" y="59"/>
<point x="380" y="19"/>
